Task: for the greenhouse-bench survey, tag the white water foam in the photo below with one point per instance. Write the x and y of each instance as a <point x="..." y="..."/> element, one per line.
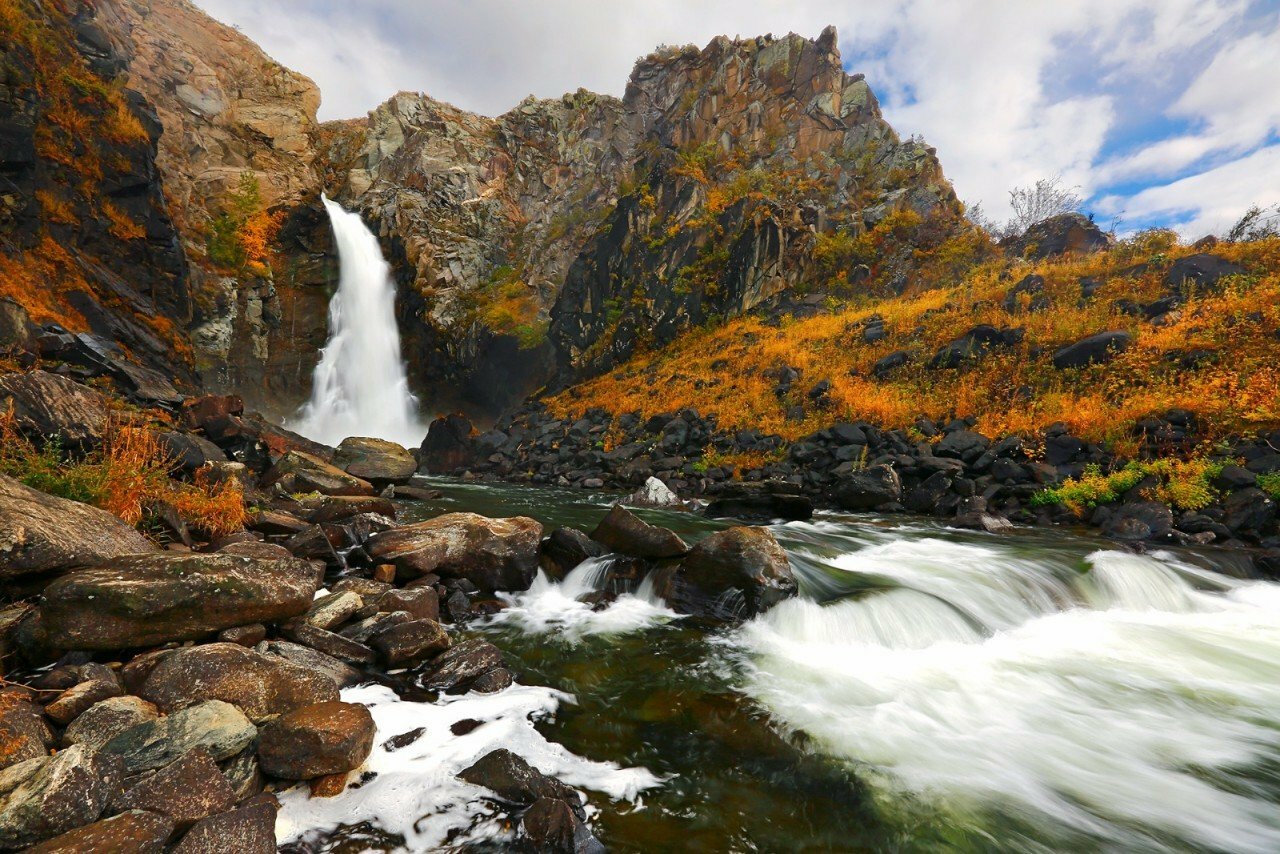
<point x="359" y="387"/>
<point x="556" y="608"/>
<point x="1121" y="709"/>
<point x="415" y="792"/>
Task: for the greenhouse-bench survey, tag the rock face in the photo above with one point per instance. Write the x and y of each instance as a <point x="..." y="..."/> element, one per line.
<point x="529" y="241"/>
<point x="151" y="599"/>
<point x="43" y="533"/>
<point x="736" y="573"/>
<point x="494" y="554"/>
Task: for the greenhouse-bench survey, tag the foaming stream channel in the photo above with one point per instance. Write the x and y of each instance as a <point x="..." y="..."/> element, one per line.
<point x="1126" y="703"/>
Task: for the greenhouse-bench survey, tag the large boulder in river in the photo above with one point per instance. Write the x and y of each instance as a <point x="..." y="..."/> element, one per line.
<point x="325" y="738"/>
<point x="626" y="533"/>
<point x="46" y="405"/>
<point x="375" y="460"/>
<point x="259" y="685"/>
<point x="1102" y="347"/>
<point x="299" y="472"/>
<point x="42" y="533"/>
<point x="733" y="574"/>
<point x="494" y="554"/>
<point x="447" y="446"/>
<point x="152" y="599"/>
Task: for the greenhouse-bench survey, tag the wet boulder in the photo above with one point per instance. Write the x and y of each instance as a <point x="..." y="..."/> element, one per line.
<point x="152" y="599"/>
<point x="41" y="533"/>
<point x="472" y="665"/>
<point x="733" y="574"/>
<point x="447" y="446"/>
<point x="42" y="798"/>
<point x="626" y="533"/>
<point x="564" y="549"/>
<point x="516" y="782"/>
<point x="1139" y="520"/>
<point x="342" y="674"/>
<point x="376" y="460"/>
<point x="760" y="502"/>
<point x="420" y="603"/>
<point x="869" y="488"/>
<point x="408" y="643"/>
<point x="551" y="825"/>
<point x="219" y="727"/>
<point x="300" y="472"/>
<point x="135" y="832"/>
<point x="259" y="685"/>
<point x="493" y="554"/>
<point x="48" y="406"/>
<point x="311" y="741"/>
<point x="1096" y="349"/>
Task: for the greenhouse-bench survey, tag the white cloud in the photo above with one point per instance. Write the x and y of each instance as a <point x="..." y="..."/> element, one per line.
<point x="1008" y="93"/>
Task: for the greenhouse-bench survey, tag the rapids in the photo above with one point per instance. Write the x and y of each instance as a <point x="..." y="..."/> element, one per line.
<point x="929" y="689"/>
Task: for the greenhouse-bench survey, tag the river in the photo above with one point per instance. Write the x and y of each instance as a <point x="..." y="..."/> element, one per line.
<point x="929" y="689"/>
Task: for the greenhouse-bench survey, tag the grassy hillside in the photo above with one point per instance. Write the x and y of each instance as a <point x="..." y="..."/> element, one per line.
<point x="1217" y="356"/>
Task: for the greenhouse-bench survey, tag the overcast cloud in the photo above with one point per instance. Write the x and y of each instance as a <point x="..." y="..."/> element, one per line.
<point x="1165" y="112"/>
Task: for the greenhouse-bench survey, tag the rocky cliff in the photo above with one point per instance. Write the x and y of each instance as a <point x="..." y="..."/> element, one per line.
<point x="551" y="242"/>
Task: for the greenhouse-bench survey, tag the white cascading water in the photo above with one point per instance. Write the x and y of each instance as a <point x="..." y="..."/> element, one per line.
<point x="1131" y="706"/>
<point x="359" y="387"/>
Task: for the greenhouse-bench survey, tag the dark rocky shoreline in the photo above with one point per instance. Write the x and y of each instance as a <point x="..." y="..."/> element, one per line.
<point x="949" y="472"/>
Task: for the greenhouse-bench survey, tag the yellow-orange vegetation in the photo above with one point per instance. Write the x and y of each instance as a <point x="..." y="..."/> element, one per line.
<point x="128" y="476"/>
<point x="723" y="370"/>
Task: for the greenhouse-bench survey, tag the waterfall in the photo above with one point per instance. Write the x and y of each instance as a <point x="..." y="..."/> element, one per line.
<point x="359" y="387"/>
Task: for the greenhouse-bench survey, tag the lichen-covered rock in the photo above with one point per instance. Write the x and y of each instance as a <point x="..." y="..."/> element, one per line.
<point x="23" y="733"/>
<point x="494" y="554"/>
<point x="219" y="727"/>
<point x="43" y="533"/>
<point x="106" y="719"/>
<point x="249" y="829"/>
<point x="259" y="685"/>
<point x="376" y="460"/>
<point x="311" y="741"/>
<point x="142" y="600"/>
<point x="188" y="789"/>
<point x="41" y="798"/>
<point x="134" y="832"/>
<point x="46" y="405"/>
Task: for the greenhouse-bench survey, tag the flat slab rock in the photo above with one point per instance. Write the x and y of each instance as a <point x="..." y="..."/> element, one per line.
<point x="494" y="554"/>
<point x="43" y="533"/>
<point x="152" y="599"/>
<point x="259" y="685"/>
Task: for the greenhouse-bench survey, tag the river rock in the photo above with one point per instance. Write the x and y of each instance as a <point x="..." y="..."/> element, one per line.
<point x="188" y="789"/>
<point x="23" y="733"/>
<point x="342" y="674"/>
<point x="516" y="782"/>
<point x="1139" y="520"/>
<point x="107" y="719"/>
<point x="493" y="554"/>
<point x="333" y="609"/>
<point x="47" y="406"/>
<point x="564" y="549"/>
<point x="325" y="738"/>
<point x="550" y="825"/>
<point x="41" y="798"/>
<point x="260" y="685"/>
<point x="626" y="533"/>
<point x="300" y="472"/>
<point x="465" y="666"/>
<point x="219" y="727"/>
<point x="736" y="573"/>
<point x="151" y="599"/>
<point x="761" y="502"/>
<point x="133" y="832"/>
<point x="408" y="643"/>
<point x="376" y="460"/>
<point x="69" y="705"/>
<point x="338" y="508"/>
<point x="43" y="533"/>
<point x="421" y="603"/>
<point x="249" y="829"/>
<point x="653" y="493"/>
<point x="330" y="643"/>
<point x="868" y="489"/>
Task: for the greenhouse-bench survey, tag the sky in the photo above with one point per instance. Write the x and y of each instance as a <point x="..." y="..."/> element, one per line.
<point x="1162" y="112"/>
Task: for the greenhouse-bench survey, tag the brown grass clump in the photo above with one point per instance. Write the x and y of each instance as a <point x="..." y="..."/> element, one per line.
<point x="725" y="370"/>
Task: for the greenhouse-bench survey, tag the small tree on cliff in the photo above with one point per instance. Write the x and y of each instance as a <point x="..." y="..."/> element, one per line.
<point x="241" y="237"/>
<point x="1031" y="204"/>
